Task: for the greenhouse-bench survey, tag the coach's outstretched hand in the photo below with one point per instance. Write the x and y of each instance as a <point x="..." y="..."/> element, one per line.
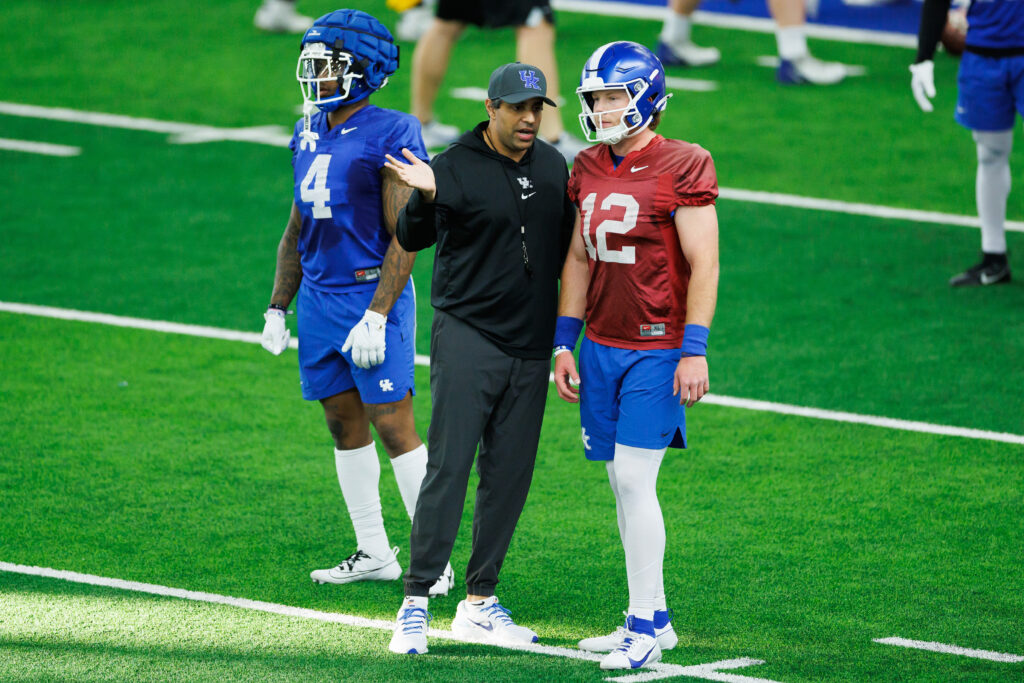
<point x="415" y="174"/>
<point x="691" y="380"/>
<point x="275" y="334"/>
<point x="567" y="380"/>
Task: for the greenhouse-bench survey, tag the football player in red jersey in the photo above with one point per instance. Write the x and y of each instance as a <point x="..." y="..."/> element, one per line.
<point x="643" y="271"/>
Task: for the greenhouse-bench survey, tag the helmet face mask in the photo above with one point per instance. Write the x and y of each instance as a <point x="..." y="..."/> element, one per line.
<point x="634" y="70"/>
<point x="318" y="66"/>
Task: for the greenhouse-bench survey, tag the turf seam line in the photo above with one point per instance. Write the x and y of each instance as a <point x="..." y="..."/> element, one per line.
<point x="32" y="147"/>
<point x="951" y="649"/>
<point x="272" y="135"/>
<point x="712" y="399"/>
<point x="658" y="671"/>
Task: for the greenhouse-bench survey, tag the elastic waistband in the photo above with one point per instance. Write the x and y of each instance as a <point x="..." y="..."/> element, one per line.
<point x="995" y="51"/>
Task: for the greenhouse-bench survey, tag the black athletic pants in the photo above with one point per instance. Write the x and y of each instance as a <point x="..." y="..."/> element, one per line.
<point x="481" y="396"/>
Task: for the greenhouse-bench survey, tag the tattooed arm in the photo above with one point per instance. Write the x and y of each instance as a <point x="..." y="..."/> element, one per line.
<point x="397" y="266"/>
<point x="288" y="274"/>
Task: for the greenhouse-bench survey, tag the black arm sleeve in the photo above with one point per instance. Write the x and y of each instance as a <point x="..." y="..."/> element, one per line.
<point x="934" y="14"/>
<point x="417" y="226"/>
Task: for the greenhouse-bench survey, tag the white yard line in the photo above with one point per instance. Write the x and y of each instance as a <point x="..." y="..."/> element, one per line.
<point x="185" y="133"/>
<point x="738" y="22"/>
<point x="657" y="671"/>
<point x="39" y="148"/>
<point x="714" y="399"/>
<point x="951" y="649"/>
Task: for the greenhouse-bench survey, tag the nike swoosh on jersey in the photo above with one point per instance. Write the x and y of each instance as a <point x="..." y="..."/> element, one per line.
<point x="527" y="196"/>
<point x="634" y="169"/>
<point x="345" y="131"/>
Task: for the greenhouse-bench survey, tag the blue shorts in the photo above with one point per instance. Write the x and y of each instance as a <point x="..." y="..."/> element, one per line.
<point x="626" y="397"/>
<point x="991" y="92"/>
<point x="324" y="321"/>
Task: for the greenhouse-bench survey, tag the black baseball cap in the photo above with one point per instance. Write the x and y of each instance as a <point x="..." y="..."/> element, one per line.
<point x="517" y="82"/>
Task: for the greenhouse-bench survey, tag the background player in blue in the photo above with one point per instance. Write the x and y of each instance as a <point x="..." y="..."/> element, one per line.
<point x="991" y="93"/>
<point x="356" y="305"/>
<point x="643" y="270"/>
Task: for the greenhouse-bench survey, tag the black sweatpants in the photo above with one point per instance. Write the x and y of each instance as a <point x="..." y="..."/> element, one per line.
<point x="482" y="396"/>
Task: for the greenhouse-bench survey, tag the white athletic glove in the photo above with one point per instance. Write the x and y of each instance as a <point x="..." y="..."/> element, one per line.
<point x="275" y="334"/>
<point x="922" y="83"/>
<point x="366" y="340"/>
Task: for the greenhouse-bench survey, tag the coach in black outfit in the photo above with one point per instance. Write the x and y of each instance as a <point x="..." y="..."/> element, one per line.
<point x="495" y="204"/>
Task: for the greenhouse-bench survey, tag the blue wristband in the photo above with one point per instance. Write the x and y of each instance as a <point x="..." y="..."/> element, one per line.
<point x="695" y="340"/>
<point x="567" y="331"/>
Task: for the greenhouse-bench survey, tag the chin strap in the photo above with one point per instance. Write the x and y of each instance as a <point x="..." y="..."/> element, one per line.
<point x="307" y="138"/>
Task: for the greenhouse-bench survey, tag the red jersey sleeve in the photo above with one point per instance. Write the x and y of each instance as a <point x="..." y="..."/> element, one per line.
<point x="573" y="188"/>
<point x="696" y="182"/>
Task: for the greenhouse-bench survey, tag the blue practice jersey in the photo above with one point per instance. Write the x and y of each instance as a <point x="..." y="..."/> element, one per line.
<point x="338" y="191"/>
<point x="996" y="23"/>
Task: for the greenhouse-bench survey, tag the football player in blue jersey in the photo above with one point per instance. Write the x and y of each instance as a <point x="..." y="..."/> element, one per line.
<point x="991" y="94"/>
<point x="356" y="304"/>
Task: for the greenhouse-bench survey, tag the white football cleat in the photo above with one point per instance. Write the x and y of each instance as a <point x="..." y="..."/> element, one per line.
<point x="436" y="134"/>
<point x="687" y="54"/>
<point x="444" y="583"/>
<point x="413" y="23"/>
<point x="489" y="622"/>
<point x="410" y="636"/>
<point x="637" y="650"/>
<point x="667" y="639"/>
<point x="361" y="567"/>
<point x="278" y="16"/>
<point x="811" y="70"/>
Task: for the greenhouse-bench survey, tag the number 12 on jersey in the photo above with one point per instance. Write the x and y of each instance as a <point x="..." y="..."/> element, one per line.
<point x="619" y="227"/>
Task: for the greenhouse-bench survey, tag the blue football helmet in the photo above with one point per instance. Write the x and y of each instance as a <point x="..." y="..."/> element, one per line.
<point x="632" y="68"/>
<point x="351" y="48"/>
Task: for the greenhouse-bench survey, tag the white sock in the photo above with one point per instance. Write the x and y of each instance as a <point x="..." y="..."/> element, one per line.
<point x="792" y="42"/>
<point x="992" y="187"/>
<point x="676" y="30"/>
<point x="359" y="477"/>
<point x="636" y="477"/>
<point x="409" y="471"/>
<point x="620" y="516"/>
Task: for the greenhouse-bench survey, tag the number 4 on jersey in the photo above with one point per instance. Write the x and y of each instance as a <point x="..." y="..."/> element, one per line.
<point x="314" y="189"/>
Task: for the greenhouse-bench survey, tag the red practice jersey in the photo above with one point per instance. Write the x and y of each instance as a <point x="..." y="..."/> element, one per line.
<point x="638" y="274"/>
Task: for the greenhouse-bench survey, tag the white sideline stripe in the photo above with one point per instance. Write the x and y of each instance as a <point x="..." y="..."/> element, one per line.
<point x="951" y="649"/>
<point x="690" y="84"/>
<point x="658" y="671"/>
<point x="180" y="132"/>
<point x="190" y="133"/>
<point x="713" y="399"/>
<point x="857" y="209"/>
<point x="739" y="23"/>
<point x="39" y="148"/>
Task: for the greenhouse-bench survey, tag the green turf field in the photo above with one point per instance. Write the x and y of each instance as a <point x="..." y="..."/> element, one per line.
<point x="193" y="463"/>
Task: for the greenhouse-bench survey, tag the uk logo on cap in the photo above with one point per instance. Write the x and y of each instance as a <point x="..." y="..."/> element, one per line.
<point x="530" y="79"/>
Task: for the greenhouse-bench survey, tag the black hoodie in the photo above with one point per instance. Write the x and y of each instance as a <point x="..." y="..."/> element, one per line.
<point x="483" y="275"/>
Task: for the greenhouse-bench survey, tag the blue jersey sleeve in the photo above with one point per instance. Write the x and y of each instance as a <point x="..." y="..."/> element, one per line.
<point x="405" y="133"/>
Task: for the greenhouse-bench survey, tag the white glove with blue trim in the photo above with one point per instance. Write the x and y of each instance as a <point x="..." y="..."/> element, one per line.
<point x="366" y="340"/>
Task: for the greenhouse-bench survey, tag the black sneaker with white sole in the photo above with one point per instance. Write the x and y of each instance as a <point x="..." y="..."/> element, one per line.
<point x="994" y="269"/>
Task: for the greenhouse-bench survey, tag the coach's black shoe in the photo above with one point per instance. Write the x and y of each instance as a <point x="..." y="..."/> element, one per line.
<point x="994" y="269"/>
